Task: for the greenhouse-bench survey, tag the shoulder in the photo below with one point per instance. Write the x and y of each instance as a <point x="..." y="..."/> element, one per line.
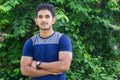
<point x="64" y="37"/>
<point x="31" y="40"/>
<point x="34" y="38"/>
<point x="57" y="34"/>
<point x="61" y="35"/>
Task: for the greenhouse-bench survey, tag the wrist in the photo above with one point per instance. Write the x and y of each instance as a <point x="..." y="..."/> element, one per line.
<point x="38" y="64"/>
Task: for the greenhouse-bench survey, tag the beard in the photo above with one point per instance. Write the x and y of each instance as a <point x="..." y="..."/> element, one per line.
<point x="45" y="29"/>
<point x="44" y="26"/>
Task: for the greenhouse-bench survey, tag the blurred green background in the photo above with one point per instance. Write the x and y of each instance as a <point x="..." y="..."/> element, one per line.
<point x="92" y="25"/>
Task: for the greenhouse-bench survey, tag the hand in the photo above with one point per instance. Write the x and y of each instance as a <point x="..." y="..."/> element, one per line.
<point x="57" y="73"/>
<point x="33" y="64"/>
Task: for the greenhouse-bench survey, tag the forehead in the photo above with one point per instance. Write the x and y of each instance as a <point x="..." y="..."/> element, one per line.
<point x="44" y="12"/>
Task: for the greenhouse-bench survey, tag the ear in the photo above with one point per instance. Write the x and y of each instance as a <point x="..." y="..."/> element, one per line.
<point x="53" y="21"/>
<point x="36" y="21"/>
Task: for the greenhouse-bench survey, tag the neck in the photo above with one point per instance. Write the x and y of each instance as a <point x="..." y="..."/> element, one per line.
<point x="46" y="33"/>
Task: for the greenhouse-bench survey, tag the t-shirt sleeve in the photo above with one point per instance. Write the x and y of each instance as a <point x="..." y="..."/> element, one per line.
<point x="28" y="48"/>
<point x="65" y="44"/>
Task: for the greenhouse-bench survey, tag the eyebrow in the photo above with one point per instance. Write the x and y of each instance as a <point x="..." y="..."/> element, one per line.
<point x="45" y="15"/>
<point x="42" y="15"/>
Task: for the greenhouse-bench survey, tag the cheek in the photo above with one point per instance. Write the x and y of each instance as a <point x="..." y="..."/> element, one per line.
<point x="50" y="21"/>
<point x="38" y="21"/>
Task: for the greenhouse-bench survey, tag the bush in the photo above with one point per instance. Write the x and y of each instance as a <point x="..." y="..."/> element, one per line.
<point x="93" y="26"/>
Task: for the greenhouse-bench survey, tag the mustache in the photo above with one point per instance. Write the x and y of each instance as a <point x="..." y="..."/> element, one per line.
<point x="44" y="23"/>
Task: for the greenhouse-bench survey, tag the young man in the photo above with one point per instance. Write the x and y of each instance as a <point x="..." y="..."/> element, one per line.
<point x="48" y="55"/>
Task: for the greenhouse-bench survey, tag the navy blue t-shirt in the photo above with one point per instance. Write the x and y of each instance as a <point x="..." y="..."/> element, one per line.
<point x="47" y="50"/>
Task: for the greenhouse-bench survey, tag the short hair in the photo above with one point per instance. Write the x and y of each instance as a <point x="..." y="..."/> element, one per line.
<point x="46" y="6"/>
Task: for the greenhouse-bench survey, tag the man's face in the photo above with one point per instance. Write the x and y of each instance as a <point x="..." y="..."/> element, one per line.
<point x="44" y="20"/>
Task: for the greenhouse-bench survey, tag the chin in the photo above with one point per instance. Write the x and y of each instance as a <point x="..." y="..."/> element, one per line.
<point x="45" y="29"/>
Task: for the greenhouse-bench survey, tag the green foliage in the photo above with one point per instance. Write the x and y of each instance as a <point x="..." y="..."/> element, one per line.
<point x="92" y="25"/>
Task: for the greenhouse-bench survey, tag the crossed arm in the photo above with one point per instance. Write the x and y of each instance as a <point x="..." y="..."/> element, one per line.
<point x="28" y="70"/>
<point x="56" y="67"/>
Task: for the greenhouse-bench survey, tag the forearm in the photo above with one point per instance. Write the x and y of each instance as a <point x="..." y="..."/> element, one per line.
<point x="62" y="65"/>
<point x="55" y="67"/>
<point x="32" y="72"/>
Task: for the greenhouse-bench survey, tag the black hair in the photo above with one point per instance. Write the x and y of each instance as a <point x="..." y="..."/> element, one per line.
<point x="46" y="6"/>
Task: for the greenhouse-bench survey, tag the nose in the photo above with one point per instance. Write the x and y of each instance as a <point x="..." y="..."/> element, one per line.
<point x="43" y="19"/>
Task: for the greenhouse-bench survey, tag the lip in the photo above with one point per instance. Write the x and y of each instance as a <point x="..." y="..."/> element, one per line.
<point x="44" y="24"/>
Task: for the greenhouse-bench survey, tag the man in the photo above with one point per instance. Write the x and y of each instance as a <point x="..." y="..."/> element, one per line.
<point x="48" y="55"/>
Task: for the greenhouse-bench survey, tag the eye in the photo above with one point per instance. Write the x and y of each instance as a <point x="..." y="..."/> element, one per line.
<point x="40" y="16"/>
<point x="47" y="16"/>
